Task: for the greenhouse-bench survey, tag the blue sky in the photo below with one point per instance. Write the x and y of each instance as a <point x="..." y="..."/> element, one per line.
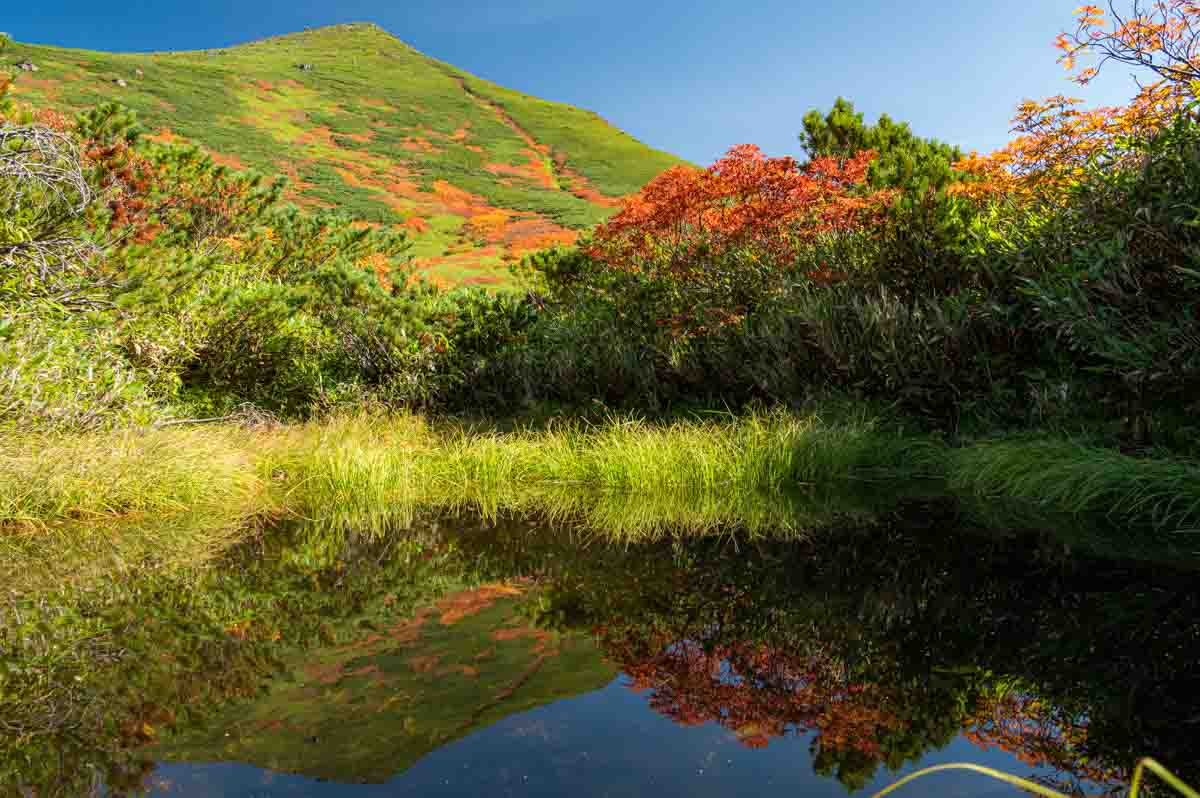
<point x="693" y="77"/>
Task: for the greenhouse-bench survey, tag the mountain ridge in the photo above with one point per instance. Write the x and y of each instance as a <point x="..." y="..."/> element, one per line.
<point x="359" y="120"/>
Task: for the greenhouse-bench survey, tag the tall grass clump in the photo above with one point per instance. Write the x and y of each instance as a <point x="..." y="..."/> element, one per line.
<point x="766" y="452"/>
<point x="48" y="479"/>
<point x="75" y="505"/>
<point x="1068" y="477"/>
<point x="350" y="472"/>
<point x="370" y="472"/>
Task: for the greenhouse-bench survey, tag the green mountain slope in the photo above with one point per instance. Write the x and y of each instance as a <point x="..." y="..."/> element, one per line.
<point x="362" y="122"/>
<point x="366" y="711"/>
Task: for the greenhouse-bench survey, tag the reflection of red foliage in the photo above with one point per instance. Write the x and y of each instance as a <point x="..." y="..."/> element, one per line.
<point x="759" y="692"/>
<point x="770" y="206"/>
<point x="756" y="692"/>
<point x="1034" y="732"/>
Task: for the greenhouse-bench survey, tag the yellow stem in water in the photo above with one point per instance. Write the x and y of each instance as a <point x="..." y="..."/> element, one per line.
<point x="1134" y="786"/>
<point x="1024" y="784"/>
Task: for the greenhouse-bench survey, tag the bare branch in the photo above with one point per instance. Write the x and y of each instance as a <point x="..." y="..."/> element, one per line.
<point x="45" y="187"/>
<point x="38" y="157"/>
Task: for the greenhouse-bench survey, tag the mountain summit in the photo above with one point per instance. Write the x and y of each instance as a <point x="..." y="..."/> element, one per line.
<point x="360" y="121"/>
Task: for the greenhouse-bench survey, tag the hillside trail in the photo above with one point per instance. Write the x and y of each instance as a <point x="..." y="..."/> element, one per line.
<point x="559" y="175"/>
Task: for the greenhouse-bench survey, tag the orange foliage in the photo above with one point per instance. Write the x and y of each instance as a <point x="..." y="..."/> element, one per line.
<point x="459" y="202"/>
<point x="52" y="119"/>
<point x="1057" y="138"/>
<point x="745" y="199"/>
<point x="142" y="195"/>
<point x="761" y="692"/>
<point x="1162" y="36"/>
<point x="164" y="136"/>
<point x="380" y="265"/>
<point x="534" y="169"/>
<point x="523" y="242"/>
<point x="1028" y="728"/>
<point x="418" y="144"/>
<point x="489" y="226"/>
<point x="416" y="224"/>
<point x="228" y="161"/>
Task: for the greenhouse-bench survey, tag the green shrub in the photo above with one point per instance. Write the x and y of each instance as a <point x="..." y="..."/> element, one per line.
<point x="61" y="370"/>
<point x="1116" y="272"/>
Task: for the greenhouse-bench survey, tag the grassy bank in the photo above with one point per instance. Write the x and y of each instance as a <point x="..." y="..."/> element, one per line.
<point x="74" y="506"/>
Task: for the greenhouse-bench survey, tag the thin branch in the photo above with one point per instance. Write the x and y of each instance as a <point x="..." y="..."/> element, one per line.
<point x="36" y="156"/>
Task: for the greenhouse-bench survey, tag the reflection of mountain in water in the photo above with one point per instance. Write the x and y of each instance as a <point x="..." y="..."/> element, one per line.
<point x="367" y="710"/>
<point x="879" y="640"/>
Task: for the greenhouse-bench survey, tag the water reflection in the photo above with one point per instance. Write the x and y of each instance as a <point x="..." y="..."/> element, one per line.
<point x="464" y="654"/>
<point x="372" y="706"/>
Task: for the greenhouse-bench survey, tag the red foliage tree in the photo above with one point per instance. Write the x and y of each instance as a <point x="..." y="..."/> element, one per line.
<point x="745" y="201"/>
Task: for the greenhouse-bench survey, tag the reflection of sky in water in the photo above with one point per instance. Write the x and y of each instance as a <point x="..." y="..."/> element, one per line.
<point x="605" y="743"/>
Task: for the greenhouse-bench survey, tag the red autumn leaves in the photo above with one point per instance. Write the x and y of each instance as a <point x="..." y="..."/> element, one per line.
<point x="762" y="207"/>
<point x="769" y="209"/>
<point x="145" y="196"/>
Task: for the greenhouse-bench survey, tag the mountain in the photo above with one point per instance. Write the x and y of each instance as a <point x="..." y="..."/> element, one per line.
<point x="370" y="708"/>
<point x="360" y="121"/>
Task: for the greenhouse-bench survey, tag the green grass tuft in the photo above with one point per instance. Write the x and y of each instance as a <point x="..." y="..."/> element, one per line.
<point x="1080" y="480"/>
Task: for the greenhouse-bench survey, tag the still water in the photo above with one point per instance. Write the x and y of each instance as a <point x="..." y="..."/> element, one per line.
<point x="518" y="659"/>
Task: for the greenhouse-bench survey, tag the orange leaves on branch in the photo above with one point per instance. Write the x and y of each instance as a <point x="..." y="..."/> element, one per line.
<point x="146" y="196"/>
<point x="55" y="120"/>
<point x="125" y="177"/>
<point x="1162" y="36"/>
<point x="744" y="200"/>
<point x="757" y="692"/>
<point x="1040" y="736"/>
<point x="1057" y="137"/>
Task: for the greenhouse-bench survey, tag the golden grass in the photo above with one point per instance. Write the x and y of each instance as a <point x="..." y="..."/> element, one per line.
<point x="75" y="506"/>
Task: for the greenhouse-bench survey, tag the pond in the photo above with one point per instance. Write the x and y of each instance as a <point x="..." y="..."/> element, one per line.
<point x="508" y="657"/>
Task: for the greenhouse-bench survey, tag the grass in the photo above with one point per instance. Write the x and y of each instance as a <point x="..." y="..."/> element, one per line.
<point x="1076" y="479"/>
<point x="372" y="129"/>
<point x="351" y="474"/>
<point x="48" y="479"/>
<point x="73" y="506"/>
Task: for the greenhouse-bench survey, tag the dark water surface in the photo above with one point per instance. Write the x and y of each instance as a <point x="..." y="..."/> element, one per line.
<point x="514" y="659"/>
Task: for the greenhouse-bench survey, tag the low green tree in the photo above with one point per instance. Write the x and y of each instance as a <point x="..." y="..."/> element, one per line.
<point x="903" y="159"/>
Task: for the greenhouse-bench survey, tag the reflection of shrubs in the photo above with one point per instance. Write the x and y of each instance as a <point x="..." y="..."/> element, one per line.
<point x="883" y="659"/>
<point x="92" y="676"/>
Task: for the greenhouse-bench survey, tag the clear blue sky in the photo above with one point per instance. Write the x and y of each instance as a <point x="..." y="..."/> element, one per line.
<point x="693" y="77"/>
